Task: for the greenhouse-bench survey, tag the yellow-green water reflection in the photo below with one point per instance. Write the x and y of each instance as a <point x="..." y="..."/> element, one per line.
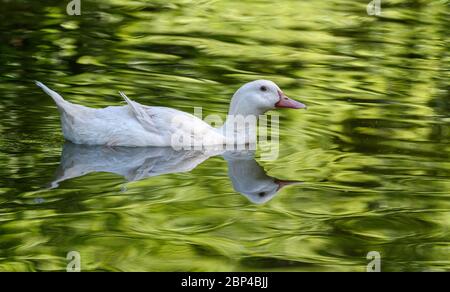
<point x="372" y="150"/>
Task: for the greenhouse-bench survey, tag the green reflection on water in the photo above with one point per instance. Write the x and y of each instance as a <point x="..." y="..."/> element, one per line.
<point x="372" y="150"/>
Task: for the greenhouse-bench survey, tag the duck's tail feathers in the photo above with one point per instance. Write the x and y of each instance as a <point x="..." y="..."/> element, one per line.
<point x="56" y="97"/>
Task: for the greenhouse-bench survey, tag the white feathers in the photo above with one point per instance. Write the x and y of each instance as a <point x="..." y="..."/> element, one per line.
<point x="56" y="97"/>
<point x="140" y="113"/>
<point x="133" y="125"/>
<point x="138" y="125"/>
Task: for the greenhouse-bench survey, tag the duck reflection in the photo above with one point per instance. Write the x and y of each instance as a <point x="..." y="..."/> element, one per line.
<point x="250" y="179"/>
<point x="136" y="163"/>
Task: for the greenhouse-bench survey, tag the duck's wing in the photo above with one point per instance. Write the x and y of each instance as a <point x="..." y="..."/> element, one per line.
<point x="168" y="122"/>
<point x="141" y="113"/>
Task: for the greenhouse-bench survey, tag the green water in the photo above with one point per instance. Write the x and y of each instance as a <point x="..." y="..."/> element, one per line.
<point x="372" y="150"/>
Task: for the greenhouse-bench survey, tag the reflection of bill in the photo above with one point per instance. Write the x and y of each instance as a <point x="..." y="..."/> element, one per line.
<point x="374" y="8"/>
<point x="74" y="7"/>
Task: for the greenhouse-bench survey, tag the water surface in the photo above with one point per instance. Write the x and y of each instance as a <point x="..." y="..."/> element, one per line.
<point x="372" y="151"/>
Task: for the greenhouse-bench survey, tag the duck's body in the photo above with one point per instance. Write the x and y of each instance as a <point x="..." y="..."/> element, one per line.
<point x="137" y="125"/>
<point x="132" y="125"/>
<point x="119" y="126"/>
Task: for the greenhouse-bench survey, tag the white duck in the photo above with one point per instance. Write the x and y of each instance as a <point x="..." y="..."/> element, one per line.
<point x="137" y="125"/>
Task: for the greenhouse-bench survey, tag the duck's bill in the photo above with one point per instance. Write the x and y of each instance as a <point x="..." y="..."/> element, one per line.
<point x="282" y="183"/>
<point x="286" y="102"/>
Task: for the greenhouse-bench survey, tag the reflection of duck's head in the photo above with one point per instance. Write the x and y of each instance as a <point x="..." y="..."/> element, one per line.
<point x="250" y="179"/>
<point x="259" y="191"/>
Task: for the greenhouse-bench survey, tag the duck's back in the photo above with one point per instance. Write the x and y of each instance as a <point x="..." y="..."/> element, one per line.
<point x="112" y="126"/>
<point x="132" y="125"/>
<point x="120" y="126"/>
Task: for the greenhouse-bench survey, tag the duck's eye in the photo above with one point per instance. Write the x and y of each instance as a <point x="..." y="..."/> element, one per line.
<point x="261" y="194"/>
<point x="263" y="88"/>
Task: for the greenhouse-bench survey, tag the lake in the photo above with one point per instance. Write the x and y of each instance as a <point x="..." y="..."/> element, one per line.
<point x="370" y="156"/>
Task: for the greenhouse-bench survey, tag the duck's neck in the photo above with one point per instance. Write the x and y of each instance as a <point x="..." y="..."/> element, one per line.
<point x="242" y="121"/>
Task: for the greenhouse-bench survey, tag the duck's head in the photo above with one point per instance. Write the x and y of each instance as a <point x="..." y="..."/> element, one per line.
<point x="257" y="97"/>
